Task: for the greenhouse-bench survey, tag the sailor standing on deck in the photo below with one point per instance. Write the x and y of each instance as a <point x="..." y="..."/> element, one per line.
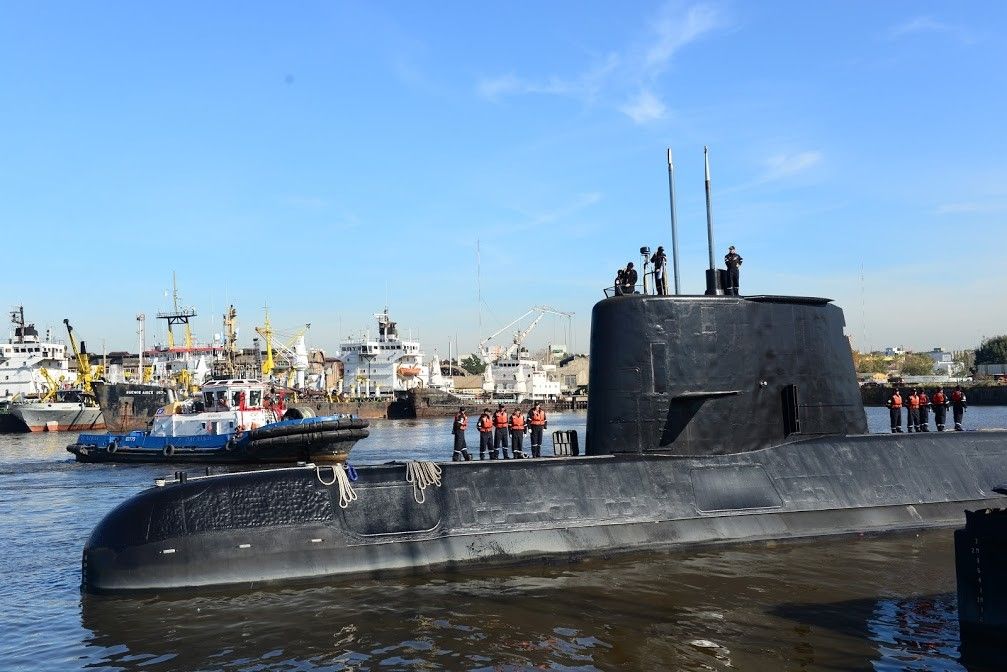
<point x="537" y="422"/>
<point x="733" y="261"/>
<point x="958" y="405"/>
<point x="913" y="417"/>
<point x="461" y="423"/>
<point x="940" y="404"/>
<point x="517" y="428"/>
<point x="500" y="422"/>
<point x="485" y="427"/>
<point x="894" y="405"/>
<point x="924" y="411"/>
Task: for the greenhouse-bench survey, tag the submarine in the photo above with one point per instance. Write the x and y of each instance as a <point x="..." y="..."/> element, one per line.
<point x="711" y="419"/>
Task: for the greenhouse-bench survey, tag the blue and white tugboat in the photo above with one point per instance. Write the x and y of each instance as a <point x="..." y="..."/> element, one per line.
<point x="233" y="421"/>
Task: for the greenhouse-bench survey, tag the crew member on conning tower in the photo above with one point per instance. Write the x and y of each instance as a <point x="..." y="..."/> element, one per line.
<point x="733" y="261"/>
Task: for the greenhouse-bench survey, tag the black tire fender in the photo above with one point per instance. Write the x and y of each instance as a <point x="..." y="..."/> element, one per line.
<point x="169" y="450"/>
<point x="112" y="447"/>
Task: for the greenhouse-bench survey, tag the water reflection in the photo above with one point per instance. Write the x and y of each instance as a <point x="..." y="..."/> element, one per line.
<point x="767" y="607"/>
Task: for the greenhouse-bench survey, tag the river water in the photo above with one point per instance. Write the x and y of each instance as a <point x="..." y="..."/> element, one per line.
<point x="884" y="603"/>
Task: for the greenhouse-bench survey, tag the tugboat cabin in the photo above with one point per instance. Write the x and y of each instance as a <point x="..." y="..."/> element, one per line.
<point x="222" y="407"/>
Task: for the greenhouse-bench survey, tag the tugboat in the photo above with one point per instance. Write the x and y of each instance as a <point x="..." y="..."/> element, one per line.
<point x="230" y="422"/>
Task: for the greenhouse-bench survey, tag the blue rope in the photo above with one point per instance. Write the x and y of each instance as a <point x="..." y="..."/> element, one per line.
<point x="351" y="471"/>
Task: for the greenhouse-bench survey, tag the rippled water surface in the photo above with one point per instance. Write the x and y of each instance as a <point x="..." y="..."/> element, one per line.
<point x="883" y="602"/>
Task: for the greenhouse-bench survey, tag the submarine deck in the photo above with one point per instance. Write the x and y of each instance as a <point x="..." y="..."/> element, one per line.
<point x="287" y="524"/>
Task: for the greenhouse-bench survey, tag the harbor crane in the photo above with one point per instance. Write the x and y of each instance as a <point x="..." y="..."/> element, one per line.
<point x="51" y="383"/>
<point x="83" y="361"/>
<point x="293" y="351"/>
<point x="489" y="357"/>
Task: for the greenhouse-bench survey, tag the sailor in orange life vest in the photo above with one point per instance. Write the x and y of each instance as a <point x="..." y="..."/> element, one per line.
<point x="913" y="416"/>
<point x="461" y="423"/>
<point x="894" y="405"/>
<point x="924" y="411"/>
<point x="501" y="423"/>
<point x="517" y="428"/>
<point x="485" y="427"/>
<point x="940" y="404"/>
<point x="537" y="422"/>
<point x="958" y="405"/>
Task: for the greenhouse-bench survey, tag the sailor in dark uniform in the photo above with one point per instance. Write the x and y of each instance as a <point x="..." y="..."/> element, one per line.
<point x="733" y="261"/>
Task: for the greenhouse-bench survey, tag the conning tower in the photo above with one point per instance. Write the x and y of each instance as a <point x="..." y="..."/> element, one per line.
<point x="713" y="375"/>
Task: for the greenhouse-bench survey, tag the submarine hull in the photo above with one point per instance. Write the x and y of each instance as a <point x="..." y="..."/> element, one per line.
<point x="287" y="524"/>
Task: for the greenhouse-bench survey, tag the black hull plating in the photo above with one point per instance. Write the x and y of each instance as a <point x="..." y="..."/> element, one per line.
<point x="281" y="525"/>
<point x="129" y="407"/>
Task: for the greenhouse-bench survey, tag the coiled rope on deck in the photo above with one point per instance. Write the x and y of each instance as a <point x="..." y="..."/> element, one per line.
<point x="346" y="492"/>
<point x="422" y="474"/>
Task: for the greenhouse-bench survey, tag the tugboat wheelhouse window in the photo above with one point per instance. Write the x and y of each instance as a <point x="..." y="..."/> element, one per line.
<point x="255" y="398"/>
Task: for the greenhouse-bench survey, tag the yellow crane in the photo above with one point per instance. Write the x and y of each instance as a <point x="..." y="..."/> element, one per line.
<point x="266" y="331"/>
<point x="287" y="351"/>
<point x="83" y="361"/>
<point x="52" y="384"/>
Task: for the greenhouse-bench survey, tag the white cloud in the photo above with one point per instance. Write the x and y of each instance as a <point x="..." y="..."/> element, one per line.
<point x="786" y="165"/>
<point x="644" y="107"/>
<point x="633" y="67"/>
<point x="928" y="24"/>
<point x="675" y="31"/>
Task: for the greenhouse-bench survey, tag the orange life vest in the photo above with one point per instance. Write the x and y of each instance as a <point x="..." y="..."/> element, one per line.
<point x="485" y="423"/>
<point x="939" y="398"/>
<point x="896" y="401"/>
<point x="537" y="418"/>
<point x="517" y="421"/>
<point x="924" y="400"/>
<point x="500" y="418"/>
<point x="957" y="395"/>
<point x="914" y="401"/>
<point x="462" y="421"/>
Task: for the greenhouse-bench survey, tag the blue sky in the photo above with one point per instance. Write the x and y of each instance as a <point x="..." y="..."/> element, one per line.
<point x="330" y="158"/>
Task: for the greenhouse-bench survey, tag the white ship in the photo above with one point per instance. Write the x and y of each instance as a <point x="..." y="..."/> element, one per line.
<point x="510" y="372"/>
<point x="23" y="357"/>
<point x="67" y="410"/>
<point x="520" y="378"/>
<point x="384" y="365"/>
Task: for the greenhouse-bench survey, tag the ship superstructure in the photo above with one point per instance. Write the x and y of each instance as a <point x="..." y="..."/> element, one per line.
<point x="511" y="373"/>
<point x="23" y="357"/>
<point x="383" y="365"/>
